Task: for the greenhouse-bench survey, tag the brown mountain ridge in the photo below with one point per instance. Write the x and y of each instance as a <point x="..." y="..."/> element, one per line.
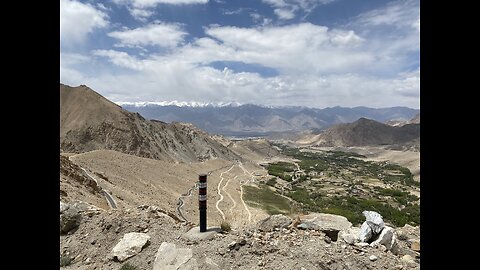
<point x="367" y="132"/>
<point x="88" y="121"/>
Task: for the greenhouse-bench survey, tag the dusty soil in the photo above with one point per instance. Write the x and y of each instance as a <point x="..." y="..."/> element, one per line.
<point x="91" y="245"/>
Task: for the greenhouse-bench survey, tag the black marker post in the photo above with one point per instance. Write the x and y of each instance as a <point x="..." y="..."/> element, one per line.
<point x="202" y="201"/>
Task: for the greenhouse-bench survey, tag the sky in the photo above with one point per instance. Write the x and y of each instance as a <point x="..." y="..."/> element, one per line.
<point x="313" y="53"/>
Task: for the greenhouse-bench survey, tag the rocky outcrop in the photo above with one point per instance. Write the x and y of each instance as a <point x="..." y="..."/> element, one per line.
<point x="130" y="245"/>
<point x="172" y="258"/>
<point x="330" y="224"/>
<point x="70" y="218"/>
<point x="276" y="221"/>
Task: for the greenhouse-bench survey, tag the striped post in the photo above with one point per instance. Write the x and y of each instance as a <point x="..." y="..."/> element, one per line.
<point x="202" y="201"/>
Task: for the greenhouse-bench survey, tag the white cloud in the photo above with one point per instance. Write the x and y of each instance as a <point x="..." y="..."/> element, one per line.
<point x="285" y="9"/>
<point x="257" y="18"/>
<point x="142" y="9"/>
<point x="284" y="14"/>
<point x="345" y="38"/>
<point x="151" y="3"/>
<point x="140" y="14"/>
<point x="121" y="59"/>
<point x="68" y="71"/>
<point x="294" y="48"/>
<point x="168" y="81"/>
<point x="317" y="66"/>
<point x="77" y="20"/>
<point x="234" y="12"/>
<point x="155" y="34"/>
<point x="398" y="13"/>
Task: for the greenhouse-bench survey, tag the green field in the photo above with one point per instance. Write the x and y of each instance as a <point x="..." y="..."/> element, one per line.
<point x="351" y="175"/>
<point x="267" y="199"/>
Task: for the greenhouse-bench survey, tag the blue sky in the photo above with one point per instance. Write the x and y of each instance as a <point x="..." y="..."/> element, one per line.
<point x="315" y="53"/>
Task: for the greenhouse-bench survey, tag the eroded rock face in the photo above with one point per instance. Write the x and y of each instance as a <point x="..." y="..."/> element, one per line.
<point x="69" y="219"/>
<point x="172" y="258"/>
<point x="130" y="245"/>
<point x="274" y="221"/>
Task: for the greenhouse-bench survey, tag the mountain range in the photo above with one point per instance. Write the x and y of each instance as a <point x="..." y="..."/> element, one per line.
<point x="255" y="120"/>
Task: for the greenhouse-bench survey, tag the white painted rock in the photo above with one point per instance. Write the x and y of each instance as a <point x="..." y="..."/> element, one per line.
<point x="130" y="245"/>
<point x="365" y="232"/>
<point x="387" y="238"/>
<point x="374" y="220"/>
<point x="169" y="257"/>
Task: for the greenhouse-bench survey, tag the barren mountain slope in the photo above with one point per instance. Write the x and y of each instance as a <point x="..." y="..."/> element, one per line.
<point x="88" y="122"/>
<point x="75" y="185"/>
<point x="365" y="132"/>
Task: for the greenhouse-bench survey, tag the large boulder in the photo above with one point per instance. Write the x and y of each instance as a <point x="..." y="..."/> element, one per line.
<point x="130" y="245"/>
<point x="374" y="220"/>
<point x="365" y="232"/>
<point x="327" y="223"/>
<point x="169" y="257"/>
<point x="274" y="221"/>
<point x="387" y="238"/>
<point x="372" y="226"/>
<point x="69" y="219"/>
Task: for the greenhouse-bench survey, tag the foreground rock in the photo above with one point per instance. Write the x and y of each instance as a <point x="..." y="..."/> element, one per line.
<point x="130" y="245"/>
<point x="350" y="235"/>
<point x="387" y="238"/>
<point x="276" y="221"/>
<point x="169" y="257"/>
<point x="330" y="224"/>
<point x="194" y="234"/>
<point x="374" y="220"/>
<point x="70" y="218"/>
<point x="372" y="226"/>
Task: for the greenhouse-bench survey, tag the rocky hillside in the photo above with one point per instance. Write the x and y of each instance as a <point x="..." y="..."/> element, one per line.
<point x="365" y="132"/>
<point x="146" y="238"/>
<point x="88" y="121"/>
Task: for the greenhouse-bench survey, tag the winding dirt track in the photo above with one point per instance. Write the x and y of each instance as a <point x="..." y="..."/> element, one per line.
<point x="224" y="189"/>
<point x="219" y="192"/>
<point x="181" y="203"/>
